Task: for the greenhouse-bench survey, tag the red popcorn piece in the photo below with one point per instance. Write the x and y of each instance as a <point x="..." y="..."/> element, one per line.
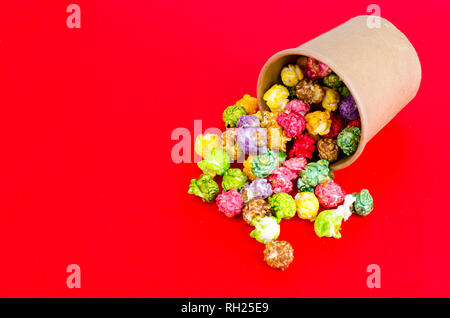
<point x="230" y="203"/>
<point x="337" y="124"/>
<point x="298" y="107"/>
<point x="292" y="124"/>
<point x="295" y="164"/>
<point x="316" y="69"/>
<point x="355" y="122"/>
<point x="329" y="194"/>
<point x="304" y="146"/>
<point x="280" y="183"/>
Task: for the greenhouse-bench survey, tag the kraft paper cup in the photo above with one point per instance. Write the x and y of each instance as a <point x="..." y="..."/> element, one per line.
<point x="378" y="65"/>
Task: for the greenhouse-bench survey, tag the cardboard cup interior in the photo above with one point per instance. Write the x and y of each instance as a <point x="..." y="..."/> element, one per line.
<point x="378" y="65"/>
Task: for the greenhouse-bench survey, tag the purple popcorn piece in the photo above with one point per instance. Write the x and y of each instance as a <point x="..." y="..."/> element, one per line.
<point x="248" y="121"/>
<point x="252" y="140"/>
<point x="348" y="109"/>
<point x="259" y="188"/>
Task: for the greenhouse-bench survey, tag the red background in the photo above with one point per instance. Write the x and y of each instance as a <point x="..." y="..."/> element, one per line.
<point x="87" y="178"/>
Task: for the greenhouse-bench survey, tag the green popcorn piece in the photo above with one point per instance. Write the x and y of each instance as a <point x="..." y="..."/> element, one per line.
<point x="348" y="139"/>
<point x="332" y="81"/>
<point x="281" y="157"/>
<point x="302" y="187"/>
<point x="343" y="91"/>
<point x="315" y="173"/>
<point x="363" y="204"/>
<point x="328" y="224"/>
<point x="264" y="164"/>
<point x="266" y="229"/>
<point x="283" y="205"/>
<point x="215" y="163"/>
<point x="204" y="187"/>
<point x="234" y="179"/>
<point x="231" y="115"/>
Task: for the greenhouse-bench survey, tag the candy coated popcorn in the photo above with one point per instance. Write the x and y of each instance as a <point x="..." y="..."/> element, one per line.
<point x="316" y="69"/>
<point x="205" y="143"/>
<point x="283" y="205"/>
<point x="328" y="149"/>
<point x="230" y="203"/>
<point x="252" y="140"/>
<point x="348" y="109"/>
<point x="280" y="184"/>
<point x="309" y="91"/>
<point x="277" y="98"/>
<point x="268" y="119"/>
<point x="298" y="107"/>
<point x="281" y="158"/>
<point x="295" y="164"/>
<point x="307" y="205"/>
<point x="249" y="103"/>
<point x="278" y="254"/>
<point x="248" y="168"/>
<point x="337" y="124"/>
<point x="230" y="145"/>
<point x="363" y="204"/>
<point x="328" y="224"/>
<point x="259" y="188"/>
<point x="216" y="162"/>
<point x="247" y="121"/>
<point x="345" y="209"/>
<point x="315" y="173"/>
<point x="255" y="208"/>
<point x="292" y="124"/>
<point x="291" y="74"/>
<point x="318" y="122"/>
<point x="348" y="140"/>
<point x="234" y="179"/>
<point x="276" y="139"/>
<point x="266" y="229"/>
<point x="285" y="172"/>
<point x="355" y="122"/>
<point x="303" y="187"/>
<point x="204" y="187"/>
<point x="303" y="147"/>
<point x="231" y="115"/>
<point x="332" y="81"/>
<point x="329" y="194"/>
<point x="264" y="164"/>
<point x="330" y="100"/>
<point x="344" y="91"/>
<point x="302" y="62"/>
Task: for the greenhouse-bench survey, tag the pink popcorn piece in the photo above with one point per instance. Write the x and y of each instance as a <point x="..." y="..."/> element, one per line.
<point x="317" y="69"/>
<point x="285" y="172"/>
<point x="280" y="183"/>
<point x="230" y="202"/>
<point x="298" y="107"/>
<point x="292" y="124"/>
<point x="281" y="180"/>
<point x="329" y="194"/>
<point x="295" y="164"/>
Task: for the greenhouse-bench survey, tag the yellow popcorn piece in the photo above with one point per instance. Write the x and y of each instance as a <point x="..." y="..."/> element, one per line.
<point x="291" y="75"/>
<point x="277" y="98"/>
<point x="277" y="138"/>
<point x="267" y="119"/>
<point x="307" y="205"/>
<point x="205" y="143"/>
<point x="247" y="168"/>
<point x="318" y="122"/>
<point x="331" y="100"/>
<point x="249" y="103"/>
